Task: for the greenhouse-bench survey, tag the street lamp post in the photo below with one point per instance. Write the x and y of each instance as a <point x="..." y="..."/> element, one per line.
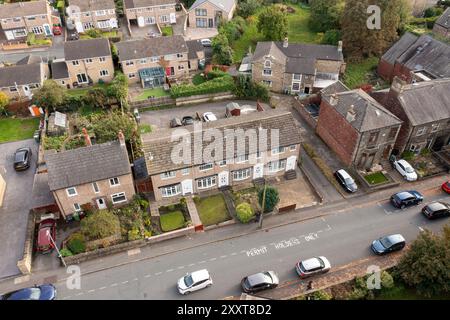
<point x="56" y="247"/>
<point x="263" y="206"/>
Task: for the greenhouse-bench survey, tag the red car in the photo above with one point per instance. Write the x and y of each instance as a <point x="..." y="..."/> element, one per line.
<point x="46" y="235"/>
<point x="446" y="187"/>
<point x="57" y="30"/>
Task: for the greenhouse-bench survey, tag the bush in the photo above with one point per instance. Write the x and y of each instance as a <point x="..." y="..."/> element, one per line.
<point x="425" y="152"/>
<point x="320" y="295"/>
<point x="244" y="212"/>
<point x="408" y="155"/>
<point x="100" y="224"/>
<point x="65" y="252"/>
<point x="196" y="200"/>
<point x="331" y="37"/>
<point x="216" y="85"/>
<point x="76" y="243"/>
<point x="387" y="281"/>
<point x="272" y="198"/>
<point x="247" y="88"/>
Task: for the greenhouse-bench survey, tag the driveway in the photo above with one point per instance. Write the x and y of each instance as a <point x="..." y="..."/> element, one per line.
<point x="200" y="33"/>
<point x="15" y="210"/>
<point x="161" y="118"/>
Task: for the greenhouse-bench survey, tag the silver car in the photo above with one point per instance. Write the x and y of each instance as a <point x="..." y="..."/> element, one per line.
<point x="313" y="266"/>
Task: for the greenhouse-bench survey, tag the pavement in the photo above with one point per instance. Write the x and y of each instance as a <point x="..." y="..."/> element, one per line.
<point x="17" y="203"/>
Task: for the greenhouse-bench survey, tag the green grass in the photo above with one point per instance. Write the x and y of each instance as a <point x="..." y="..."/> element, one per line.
<point x="376" y="178"/>
<point x="145" y="128"/>
<point x="86" y="110"/>
<point x="167" y="31"/>
<point x="106" y="34"/>
<point x="212" y="210"/>
<point x="172" y="221"/>
<point x="17" y="129"/>
<point x="249" y="38"/>
<point x="83" y="91"/>
<point x="198" y="79"/>
<point x="157" y="92"/>
<point x="356" y="74"/>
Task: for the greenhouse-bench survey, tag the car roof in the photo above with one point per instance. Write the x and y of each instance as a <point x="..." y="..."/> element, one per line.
<point x="43" y="238"/>
<point x="435" y="206"/>
<point x="311" y="263"/>
<point x="344" y="174"/>
<point x="404" y="195"/>
<point x="395" y="238"/>
<point x="200" y="275"/>
<point x="258" y="278"/>
<point x="404" y="163"/>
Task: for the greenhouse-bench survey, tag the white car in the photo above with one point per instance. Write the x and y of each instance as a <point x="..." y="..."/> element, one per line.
<point x="206" y="42"/>
<point x="209" y="116"/>
<point x="406" y="170"/>
<point x="194" y="281"/>
<point x="313" y="266"/>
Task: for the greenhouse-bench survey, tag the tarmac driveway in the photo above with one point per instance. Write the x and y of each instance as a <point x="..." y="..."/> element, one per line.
<point x="16" y="205"/>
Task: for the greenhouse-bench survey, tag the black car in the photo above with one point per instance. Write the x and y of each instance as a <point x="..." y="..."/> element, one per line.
<point x="42" y="292"/>
<point x="346" y="180"/>
<point x="406" y="198"/>
<point x="259" y="281"/>
<point x="436" y="210"/>
<point x="388" y="244"/>
<point x="187" y="120"/>
<point x="22" y="159"/>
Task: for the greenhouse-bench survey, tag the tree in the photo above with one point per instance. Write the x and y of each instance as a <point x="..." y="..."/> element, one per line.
<point x="222" y="52"/>
<point x="50" y="96"/>
<point x="247" y="88"/>
<point x="97" y="97"/>
<point x="4" y="101"/>
<point x="272" y="23"/>
<point x="426" y="265"/>
<point x="272" y="198"/>
<point x="325" y="14"/>
<point x="331" y="37"/>
<point x="106" y="127"/>
<point x="247" y="8"/>
<point x="99" y="225"/>
<point x="118" y="89"/>
<point x="244" y="212"/>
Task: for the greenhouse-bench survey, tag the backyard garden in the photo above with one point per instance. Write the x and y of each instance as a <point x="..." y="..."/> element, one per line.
<point x="212" y="210"/>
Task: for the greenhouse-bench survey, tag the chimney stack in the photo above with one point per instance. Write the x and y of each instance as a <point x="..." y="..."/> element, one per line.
<point x="285" y="42"/>
<point x="340" y="46"/>
<point x="87" y="139"/>
<point x="334" y="99"/>
<point x="397" y="85"/>
<point x="351" y="114"/>
<point x="121" y="138"/>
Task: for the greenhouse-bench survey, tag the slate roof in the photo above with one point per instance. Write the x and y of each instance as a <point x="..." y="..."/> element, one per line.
<point x="225" y="5"/>
<point x="158" y="146"/>
<point x="129" y="4"/>
<point x="336" y="87"/>
<point x="87" y="164"/>
<point x="399" y="47"/>
<point x="41" y="193"/>
<point x="194" y="46"/>
<point x="153" y="47"/>
<point x="426" y="102"/>
<point x="444" y="19"/>
<point x="90" y="48"/>
<point x="20" y="74"/>
<point x="59" y="70"/>
<point x="89" y="5"/>
<point x="370" y="115"/>
<point x="29" y="60"/>
<point x="20" y="9"/>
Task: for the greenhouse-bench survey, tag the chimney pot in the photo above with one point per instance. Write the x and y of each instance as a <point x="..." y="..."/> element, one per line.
<point x="87" y="139"/>
<point x="398" y="85"/>
<point x="334" y="99"/>
<point x="121" y="138"/>
<point x="351" y="114"/>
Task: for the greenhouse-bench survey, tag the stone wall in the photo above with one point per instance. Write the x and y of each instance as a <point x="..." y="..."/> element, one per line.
<point x="2" y="189"/>
<point x="24" y="264"/>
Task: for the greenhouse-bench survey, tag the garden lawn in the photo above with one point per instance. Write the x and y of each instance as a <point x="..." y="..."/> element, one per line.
<point x="171" y="221"/>
<point x="376" y="178"/>
<point x="106" y="34"/>
<point x="145" y="128"/>
<point x="83" y="91"/>
<point x="167" y="31"/>
<point x="356" y="74"/>
<point x="17" y="129"/>
<point x="212" y="210"/>
<point x="156" y="92"/>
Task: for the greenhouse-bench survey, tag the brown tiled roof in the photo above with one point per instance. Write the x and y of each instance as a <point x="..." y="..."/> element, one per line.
<point x="129" y="4"/>
<point x="153" y="47"/>
<point x="20" y="9"/>
<point x="158" y="146"/>
<point x="89" y="5"/>
<point x="90" y="48"/>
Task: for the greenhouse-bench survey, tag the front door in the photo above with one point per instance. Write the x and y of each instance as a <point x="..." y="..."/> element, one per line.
<point x="223" y="179"/>
<point x="172" y="18"/>
<point x="27" y="91"/>
<point x="290" y="163"/>
<point x="210" y="23"/>
<point x="258" y="171"/>
<point x="9" y="35"/>
<point x="79" y="27"/>
<point x="141" y="22"/>
<point x="101" y="204"/>
<point x="186" y="187"/>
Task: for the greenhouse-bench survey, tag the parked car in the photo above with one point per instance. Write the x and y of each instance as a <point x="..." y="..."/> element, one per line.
<point x="405" y="169"/>
<point x="209" y="116"/>
<point x="206" y="42"/>
<point x="405" y="199"/>
<point x="175" y="122"/>
<point x="436" y="210"/>
<point x="346" y="180"/>
<point x="187" y="120"/>
<point x="313" y="266"/>
<point x="446" y="187"/>
<point x="259" y="281"/>
<point x="46" y="232"/>
<point x="388" y="244"/>
<point x="57" y="30"/>
<point x="22" y="159"/>
<point x="194" y="281"/>
<point x="42" y="292"/>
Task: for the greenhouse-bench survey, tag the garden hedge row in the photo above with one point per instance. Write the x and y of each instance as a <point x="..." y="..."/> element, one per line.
<point x="220" y="84"/>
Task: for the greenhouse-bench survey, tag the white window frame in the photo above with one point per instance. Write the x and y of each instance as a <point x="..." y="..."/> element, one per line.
<point x="206" y="182"/>
<point x="206" y="167"/>
<point x="95" y="187"/>
<point x="71" y="195"/>
<point x="119" y="194"/>
<point x="129" y="63"/>
<point x="185" y="171"/>
<point x="77" y="207"/>
<point x="435" y="127"/>
<point x="174" y="190"/>
<point x="75" y="62"/>
<point x="242" y="174"/>
<point x="242" y="158"/>
<point x="104" y="73"/>
<point x="168" y="175"/>
<point x="278" y="150"/>
<point x="278" y="165"/>
<point x="114" y="184"/>
<point x="37" y="30"/>
<point x="154" y="59"/>
<point x="143" y="61"/>
<point x="265" y="74"/>
<point x="102" y="59"/>
<point x="421" y="131"/>
<point x="87" y="79"/>
<point x="292" y="147"/>
<point x="222" y="163"/>
<point x="88" y="60"/>
<point x="104" y="24"/>
<point x="296" y="80"/>
<point x="164" y="18"/>
<point x="150" y="20"/>
<point x="267" y="83"/>
<point x="100" y="13"/>
<point x="267" y="64"/>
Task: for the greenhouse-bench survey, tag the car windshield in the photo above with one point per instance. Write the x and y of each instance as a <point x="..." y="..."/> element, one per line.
<point x="20" y="156"/>
<point x="385" y="242"/>
<point x="188" y="281"/>
<point x="349" y="181"/>
<point x="409" y="169"/>
<point x="27" y="294"/>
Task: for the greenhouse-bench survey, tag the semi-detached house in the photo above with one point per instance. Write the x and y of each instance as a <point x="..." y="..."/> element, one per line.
<point x="90" y="14"/>
<point x="150" y="12"/>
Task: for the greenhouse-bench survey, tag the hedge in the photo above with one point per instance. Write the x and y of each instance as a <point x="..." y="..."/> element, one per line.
<point x="221" y="84"/>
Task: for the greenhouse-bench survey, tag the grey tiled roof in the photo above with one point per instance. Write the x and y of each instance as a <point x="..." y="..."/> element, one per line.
<point x="444" y="19"/>
<point x="158" y="145"/>
<point x="90" y="48"/>
<point x="427" y="101"/>
<point x="146" y="3"/>
<point x="399" y="47"/>
<point x="41" y="193"/>
<point x="194" y="46"/>
<point x="30" y="59"/>
<point x="336" y="87"/>
<point x="59" y="70"/>
<point x="301" y="65"/>
<point x="87" y="164"/>
<point x="153" y="47"/>
<point x="225" y="5"/>
<point x="370" y="114"/>
<point x="89" y="5"/>
<point x="20" y="9"/>
<point x="20" y="75"/>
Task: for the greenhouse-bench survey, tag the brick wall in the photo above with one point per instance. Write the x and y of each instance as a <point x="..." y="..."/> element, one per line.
<point x="385" y="69"/>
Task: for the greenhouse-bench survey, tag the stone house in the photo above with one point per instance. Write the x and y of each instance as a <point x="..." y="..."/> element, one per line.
<point x="357" y="128"/>
<point x="60" y="73"/>
<point x="20" y="80"/>
<point x="20" y="18"/>
<point x="150" y="61"/>
<point x="88" y="61"/>
<point x="424" y="108"/>
<point x="92" y="14"/>
<point x="142" y="13"/>
<point x="196" y="55"/>
<point x="210" y="13"/>
<point x="242" y="158"/>
<point x="411" y="56"/>
<point x="297" y="68"/>
<point x="442" y="25"/>
<point x="96" y="175"/>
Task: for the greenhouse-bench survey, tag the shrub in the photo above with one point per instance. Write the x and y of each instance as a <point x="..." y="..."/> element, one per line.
<point x="100" y="224"/>
<point x="134" y="234"/>
<point x="387" y="281"/>
<point x="171" y="207"/>
<point x="247" y="88"/>
<point x="76" y="243"/>
<point x="66" y="252"/>
<point x="408" y="155"/>
<point x="271" y="200"/>
<point x="425" y="152"/>
<point x="244" y="212"/>
<point x="221" y="84"/>
<point x="320" y="295"/>
<point x="331" y="37"/>
<point x="196" y="200"/>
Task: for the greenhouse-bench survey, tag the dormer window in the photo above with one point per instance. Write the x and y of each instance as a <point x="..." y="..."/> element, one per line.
<point x="267" y="64"/>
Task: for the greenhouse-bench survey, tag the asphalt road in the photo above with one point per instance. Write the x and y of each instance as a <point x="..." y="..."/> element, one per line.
<point x="342" y="237"/>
